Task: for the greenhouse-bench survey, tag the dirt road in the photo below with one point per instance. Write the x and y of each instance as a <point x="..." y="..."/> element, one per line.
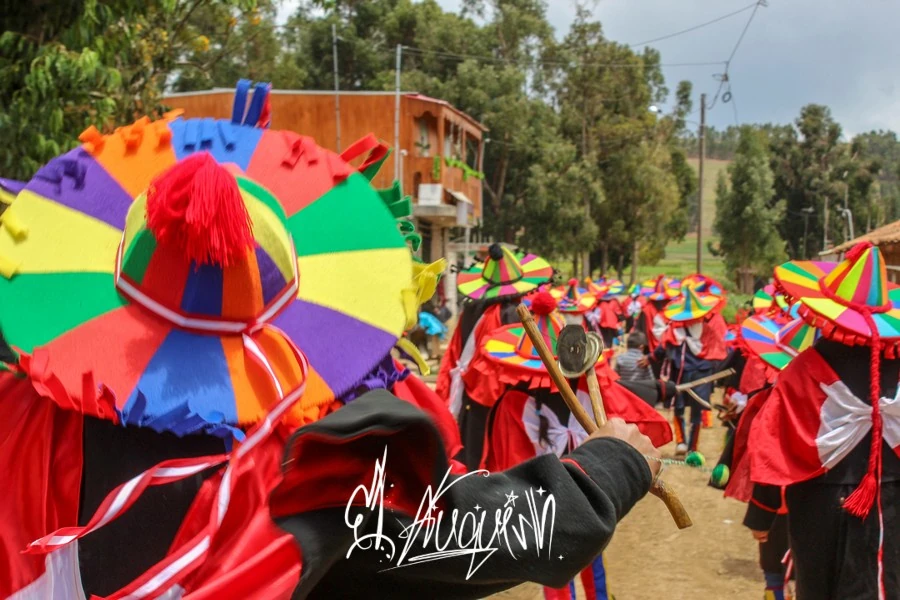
<point x="649" y="559"/>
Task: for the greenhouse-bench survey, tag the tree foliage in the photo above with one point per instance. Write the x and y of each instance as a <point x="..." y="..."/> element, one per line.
<point x="67" y="65"/>
<point x="747" y="216"/>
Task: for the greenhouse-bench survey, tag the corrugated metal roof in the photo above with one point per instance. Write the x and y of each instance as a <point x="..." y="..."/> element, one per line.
<point x="886" y="234"/>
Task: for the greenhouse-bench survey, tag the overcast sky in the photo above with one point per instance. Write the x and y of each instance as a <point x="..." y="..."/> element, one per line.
<point x="842" y="53"/>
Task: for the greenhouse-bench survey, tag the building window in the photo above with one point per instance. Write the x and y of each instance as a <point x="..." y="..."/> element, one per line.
<point x="426" y="135"/>
<point x="448" y="139"/>
<point x="472" y="152"/>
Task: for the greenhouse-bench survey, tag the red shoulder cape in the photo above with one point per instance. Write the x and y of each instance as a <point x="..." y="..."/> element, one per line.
<point x="793" y="436"/>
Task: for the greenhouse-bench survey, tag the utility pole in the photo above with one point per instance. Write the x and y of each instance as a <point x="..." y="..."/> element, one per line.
<point x="397" y="118"/>
<point x="337" y="95"/>
<point x="806" y="213"/>
<point x="700" y="189"/>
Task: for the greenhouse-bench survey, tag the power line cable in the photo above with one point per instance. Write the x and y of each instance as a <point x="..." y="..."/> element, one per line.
<point x="695" y="27"/>
<point x="744" y="32"/>
<point x="724" y="78"/>
<point x="495" y="59"/>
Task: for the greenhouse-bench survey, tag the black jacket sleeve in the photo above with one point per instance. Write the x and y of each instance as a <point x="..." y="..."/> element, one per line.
<point x="541" y="521"/>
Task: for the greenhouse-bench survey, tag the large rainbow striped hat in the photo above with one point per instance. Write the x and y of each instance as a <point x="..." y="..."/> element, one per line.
<point x="851" y="301"/>
<point x="121" y="309"/>
<point x="503" y="273"/>
<point x="510" y="347"/>
<point x="691" y="307"/>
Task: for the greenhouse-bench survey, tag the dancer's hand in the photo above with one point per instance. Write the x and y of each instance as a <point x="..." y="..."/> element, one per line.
<point x="619" y="429"/>
<point x="760" y="536"/>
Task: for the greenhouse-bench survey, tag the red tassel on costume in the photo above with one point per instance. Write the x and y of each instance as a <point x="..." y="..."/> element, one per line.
<point x="197" y="206"/>
<point x="860" y="502"/>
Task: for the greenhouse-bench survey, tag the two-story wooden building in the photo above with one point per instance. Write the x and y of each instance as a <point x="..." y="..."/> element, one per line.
<point x="438" y="161"/>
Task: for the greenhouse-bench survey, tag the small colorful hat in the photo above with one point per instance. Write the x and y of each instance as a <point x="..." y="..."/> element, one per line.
<point x="594" y="287"/>
<point x="647" y="287"/>
<point x="768" y="298"/>
<point x="851" y="302"/>
<point x="703" y="284"/>
<point x="609" y="289"/>
<point x="112" y="318"/>
<point x="573" y="299"/>
<point x="774" y="343"/>
<point x="659" y="289"/>
<point x="691" y="307"/>
<point x="503" y="273"/>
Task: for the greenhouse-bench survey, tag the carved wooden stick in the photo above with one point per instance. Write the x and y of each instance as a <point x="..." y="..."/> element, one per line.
<point x="659" y="489"/>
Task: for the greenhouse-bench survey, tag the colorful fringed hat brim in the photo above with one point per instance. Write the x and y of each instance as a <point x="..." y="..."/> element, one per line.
<point x="535" y="271"/>
<point x="799" y="278"/>
<point x="65" y="296"/>
<point x="799" y="281"/>
<point x="512" y="368"/>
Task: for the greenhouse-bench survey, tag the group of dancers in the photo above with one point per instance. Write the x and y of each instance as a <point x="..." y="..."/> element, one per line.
<point x="507" y="405"/>
<point x="814" y="415"/>
<point x="201" y="394"/>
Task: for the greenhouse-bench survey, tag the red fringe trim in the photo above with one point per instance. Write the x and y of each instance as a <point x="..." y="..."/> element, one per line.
<point x="841" y="335"/>
<point x="306" y="147"/>
<point x="96" y="401"/>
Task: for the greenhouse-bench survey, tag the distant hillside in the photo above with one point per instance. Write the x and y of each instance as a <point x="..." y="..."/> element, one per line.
<point x="681" y="257"/>
<point x="711" y="170"/>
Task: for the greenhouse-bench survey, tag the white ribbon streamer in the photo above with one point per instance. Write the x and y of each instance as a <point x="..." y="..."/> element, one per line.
<point x="560" y="439"/>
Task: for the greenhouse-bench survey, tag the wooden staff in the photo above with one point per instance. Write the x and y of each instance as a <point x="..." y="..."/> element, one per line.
<point x="659" y="489"/>
<point x="689" y="387"/>
<point x="596" y="397"/>
<point x="698" y="382"/>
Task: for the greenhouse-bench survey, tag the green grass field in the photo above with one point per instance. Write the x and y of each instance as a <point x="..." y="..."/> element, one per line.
<point x="681" y="257"/>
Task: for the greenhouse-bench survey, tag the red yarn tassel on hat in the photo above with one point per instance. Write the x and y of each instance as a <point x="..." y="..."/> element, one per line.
<point x="543" y="303"/>
<point x="856" y="251"/>
<point x="860" y="502"/>
<point x="197" y="206"/>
